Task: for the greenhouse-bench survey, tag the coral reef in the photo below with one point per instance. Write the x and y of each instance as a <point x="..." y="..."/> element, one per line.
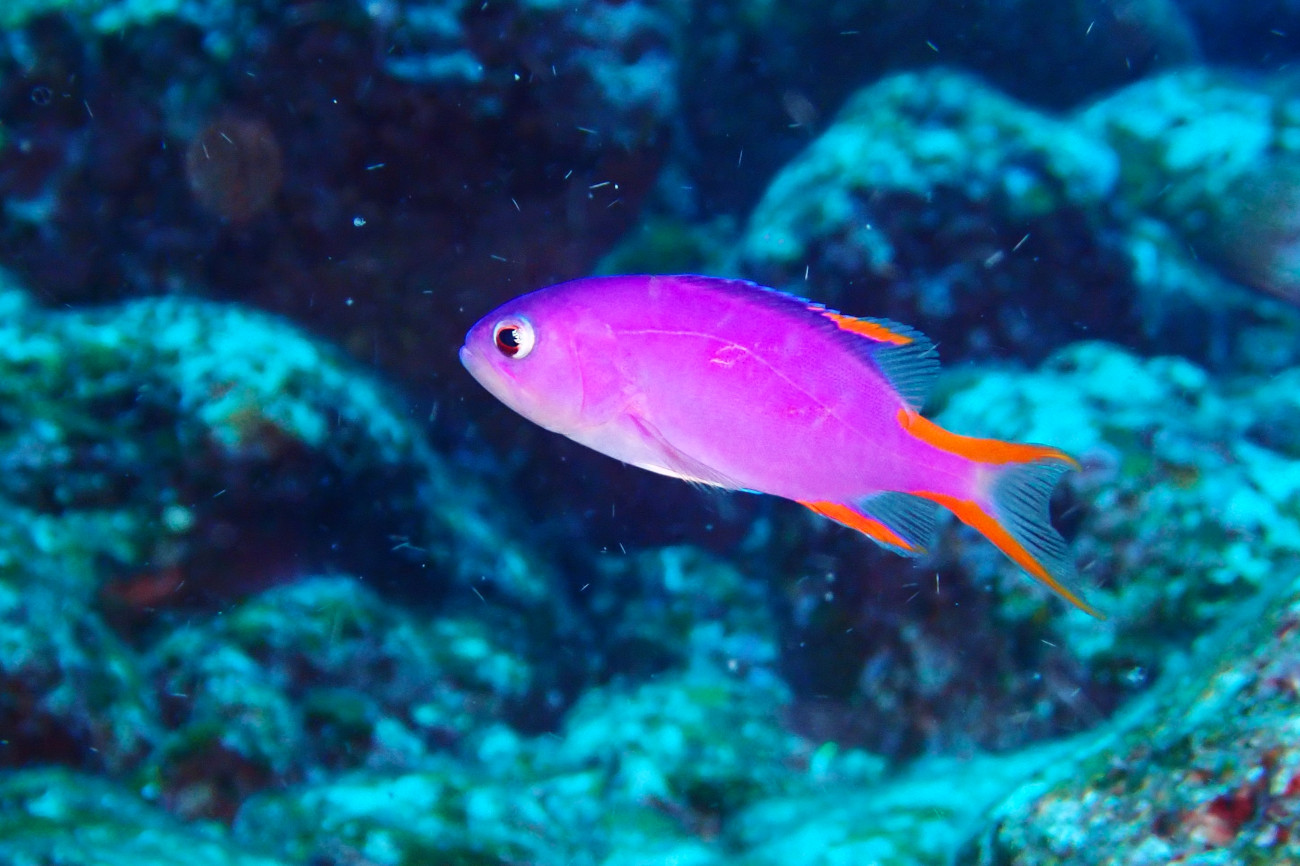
<point x="933" y="199"/>
<point x="1202" y="769"/>
<point x="632" y="774"/>
<point x="167" y="456"/>
<point x="940" y="200"/>
<point x="319" y="675"/>
<point x="470" y="146"/>
<point x="173" y="405"/>
<point x="1218" y="156"/>
<point x="58" y="816"/>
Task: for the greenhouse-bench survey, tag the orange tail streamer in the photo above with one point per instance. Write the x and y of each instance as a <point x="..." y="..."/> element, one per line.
<point x="1010" y="508"/>
<point x="987" y="525"/>
<point x="974" y="448"/>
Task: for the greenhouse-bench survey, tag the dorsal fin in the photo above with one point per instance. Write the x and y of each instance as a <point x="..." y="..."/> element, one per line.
<point x="880" y="330"/>
<point x="904" y="356"/>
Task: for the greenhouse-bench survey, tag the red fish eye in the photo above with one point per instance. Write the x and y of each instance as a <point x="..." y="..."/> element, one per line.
<point x="514" y="339"/>
<point x="508" y="341"/>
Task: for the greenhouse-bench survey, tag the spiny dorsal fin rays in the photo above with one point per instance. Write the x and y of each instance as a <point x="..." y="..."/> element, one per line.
<point x="880" y="330"/>
<point x="905" y="357"/>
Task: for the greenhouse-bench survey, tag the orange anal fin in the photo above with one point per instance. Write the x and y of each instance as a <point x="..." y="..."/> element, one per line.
<point x="974" y="448"/>
<point x="975" y="517"/>
<point x="870" y="527"/>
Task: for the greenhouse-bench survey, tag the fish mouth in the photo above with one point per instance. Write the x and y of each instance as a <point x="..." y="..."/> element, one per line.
<point x="486" y="374"/>
<point x="474" y="365"/>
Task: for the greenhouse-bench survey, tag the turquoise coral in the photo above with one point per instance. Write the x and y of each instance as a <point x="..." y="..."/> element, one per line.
<point x="1203" y="769"/>
<point x="124" y="429"/>
<point x="1188" y="518"/>
<point x="321" y="672"/>
<point x="1218" y="156"/>
<point x="242" y="387"/>
<point x="917" y="133"/>
<point x="59" y="816"/>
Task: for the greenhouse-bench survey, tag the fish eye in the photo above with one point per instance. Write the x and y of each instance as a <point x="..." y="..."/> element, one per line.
<point x="514" y="337"/>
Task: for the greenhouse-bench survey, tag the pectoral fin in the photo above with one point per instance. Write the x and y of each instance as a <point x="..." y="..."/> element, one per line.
<point x="675" y="463"/>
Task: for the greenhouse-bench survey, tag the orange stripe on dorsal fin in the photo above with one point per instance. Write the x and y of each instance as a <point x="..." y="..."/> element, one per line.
<point x="904" y="356"/>
<point x="986" y="524"/>
<point x="974" y="448"/>
<point x="868" y="526"/>
<point x="880" y="330"/>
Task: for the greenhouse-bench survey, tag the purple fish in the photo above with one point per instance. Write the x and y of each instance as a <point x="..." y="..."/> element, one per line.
<point x="730" y="384"/>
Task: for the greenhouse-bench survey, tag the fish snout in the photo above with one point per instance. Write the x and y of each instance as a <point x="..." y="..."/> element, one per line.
<point x="483" y="370"/>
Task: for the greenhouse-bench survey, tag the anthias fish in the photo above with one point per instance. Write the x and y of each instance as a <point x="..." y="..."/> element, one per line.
<point x="731" y="384"/>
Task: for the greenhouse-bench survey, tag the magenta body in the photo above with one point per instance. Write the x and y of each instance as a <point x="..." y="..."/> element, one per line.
<point x="726" y="383"/>
<point x="716" y="381"/>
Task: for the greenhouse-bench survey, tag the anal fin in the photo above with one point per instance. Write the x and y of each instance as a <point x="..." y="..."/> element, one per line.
<point x="900" y="522"/>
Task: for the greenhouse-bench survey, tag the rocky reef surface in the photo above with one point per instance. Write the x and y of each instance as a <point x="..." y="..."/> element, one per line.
<point x="670" y="705"/>
<point x="279" y="585"/>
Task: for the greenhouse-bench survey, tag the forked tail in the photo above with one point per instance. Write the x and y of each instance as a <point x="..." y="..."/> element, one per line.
<point x="1010" y="505"/>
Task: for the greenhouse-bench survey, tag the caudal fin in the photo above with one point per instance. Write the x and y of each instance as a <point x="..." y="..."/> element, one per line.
<point x="1011" y="508"/>
<point x="1013" y="514"/>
